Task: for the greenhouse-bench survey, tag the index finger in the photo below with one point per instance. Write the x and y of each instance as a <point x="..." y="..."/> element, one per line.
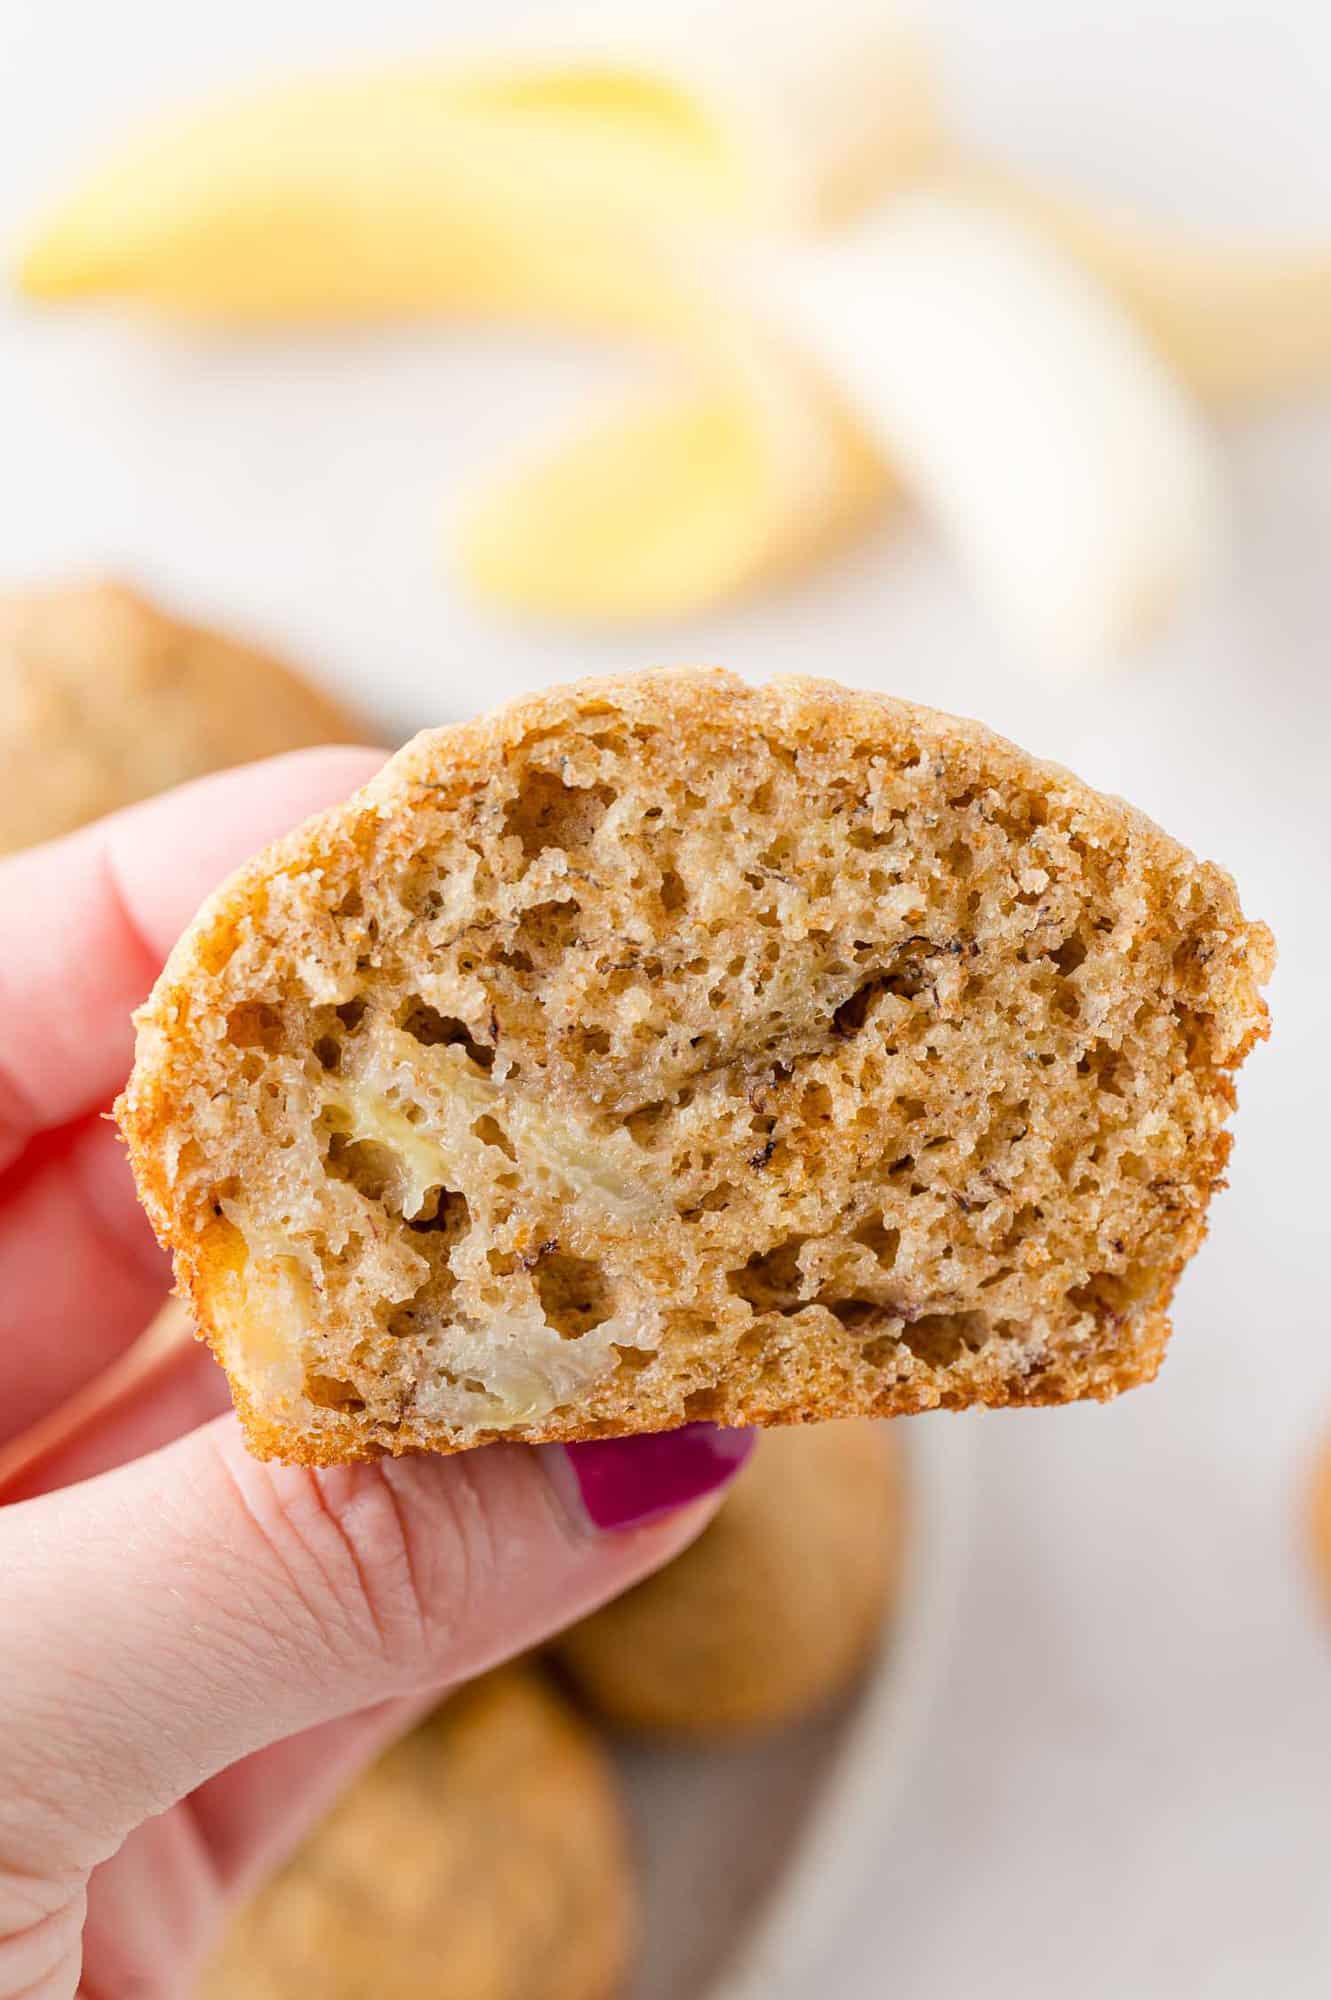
<point x="90" y="919"/>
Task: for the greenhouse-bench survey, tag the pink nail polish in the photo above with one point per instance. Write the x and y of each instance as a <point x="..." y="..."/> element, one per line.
<point x="626" y="1482"/>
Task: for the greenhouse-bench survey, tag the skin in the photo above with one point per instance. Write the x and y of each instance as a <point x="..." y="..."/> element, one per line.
<point x="200" y="1649"/>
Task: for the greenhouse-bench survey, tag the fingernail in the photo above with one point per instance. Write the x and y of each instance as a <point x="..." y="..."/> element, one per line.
<point x="627" y="1482"/>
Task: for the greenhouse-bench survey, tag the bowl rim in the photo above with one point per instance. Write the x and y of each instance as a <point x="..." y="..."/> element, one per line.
<point x="814" y="1899"/>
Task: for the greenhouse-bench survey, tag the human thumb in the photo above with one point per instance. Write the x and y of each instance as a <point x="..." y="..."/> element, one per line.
<point x="176" y="1614"/>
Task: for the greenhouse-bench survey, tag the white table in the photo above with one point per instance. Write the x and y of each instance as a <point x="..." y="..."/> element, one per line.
<point x="1128" y="1786"/>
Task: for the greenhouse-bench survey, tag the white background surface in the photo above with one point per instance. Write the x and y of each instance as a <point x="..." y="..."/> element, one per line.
<point x="1128" y="1786"/>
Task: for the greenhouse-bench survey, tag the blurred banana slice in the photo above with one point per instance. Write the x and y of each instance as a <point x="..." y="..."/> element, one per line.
<point x="538" y="183"/>
<point x="1023" y="409"/>
<point x="681" y="499"/>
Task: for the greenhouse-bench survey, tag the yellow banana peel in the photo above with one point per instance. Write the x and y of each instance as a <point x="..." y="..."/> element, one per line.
<point x="683" y="499"/>
<point x="538" y="185"/>
<point x="379" y="198"/>
<point x="549" y="187"/>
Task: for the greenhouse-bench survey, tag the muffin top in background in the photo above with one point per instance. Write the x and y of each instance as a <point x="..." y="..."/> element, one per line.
<point x="776" y="1608"/>
<point x="484" y="1857"/>
<point x="105" y="699"/>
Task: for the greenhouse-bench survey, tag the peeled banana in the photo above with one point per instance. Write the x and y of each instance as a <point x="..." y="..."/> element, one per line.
<point x="610" y="171"/>
<point x="555" y="181"/>
<point x="567" y="179"/>
<point x="545" y="183"/>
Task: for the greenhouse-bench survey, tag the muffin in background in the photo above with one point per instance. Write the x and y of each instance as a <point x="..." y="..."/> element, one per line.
<point x="1319" y="1519"/>
<point x="105" y="699"/>
<point x="774" y="1610"/>
<point x="484" y="1857"/>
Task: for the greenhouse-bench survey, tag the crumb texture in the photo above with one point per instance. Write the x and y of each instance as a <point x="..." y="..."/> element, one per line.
<point x="659" y="1049"/>
<point x="482" y="1858"/>
<point x="773" y="1611"/>
<point x="105" y="700"/>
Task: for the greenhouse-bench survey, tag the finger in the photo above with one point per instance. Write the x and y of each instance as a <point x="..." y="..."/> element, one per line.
<point x="176" y="1615"/>
<point x="153" y="1393"/>
<point x="90" y="918"/>
<point x="256" y="1811"/>
<point x="149" y="1910"/>
<point x="253" y="1814"/>
<point x="80" y="1270"/>
<point x="186" y="1866"/>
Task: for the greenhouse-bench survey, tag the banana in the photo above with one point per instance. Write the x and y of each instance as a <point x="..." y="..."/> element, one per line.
<point x="1022" y="408"/>
<point x="564" y="179"/>
<point x="571" y="177"/>
<point x="567" y="178"/>
<point x="544" y="183"/>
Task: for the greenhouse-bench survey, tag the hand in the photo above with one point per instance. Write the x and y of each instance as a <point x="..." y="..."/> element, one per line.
<point x="200" y="1649"/>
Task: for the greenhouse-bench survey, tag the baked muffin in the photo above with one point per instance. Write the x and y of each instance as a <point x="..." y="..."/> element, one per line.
<point x="483" y="1858"/>
<point x="662" y="1049"/>
<point x="105" y="700"/>
<point x="1319" y="1519"/>
<point x="775" y="1608"/>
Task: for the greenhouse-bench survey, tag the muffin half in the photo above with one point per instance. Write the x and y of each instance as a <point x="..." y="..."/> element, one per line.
<point x="660" y="1049"/>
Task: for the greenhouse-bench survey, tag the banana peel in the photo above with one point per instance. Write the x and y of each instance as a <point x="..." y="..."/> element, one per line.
<point x="1023" y="408"/>
<point x="566" y="182"/>
<point x="682" y="499"/>
<point x="540" y="184"/>
<point x="1238" y="322"/>
<point x="549" y="186"/>
<point x="379" y="198"/>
